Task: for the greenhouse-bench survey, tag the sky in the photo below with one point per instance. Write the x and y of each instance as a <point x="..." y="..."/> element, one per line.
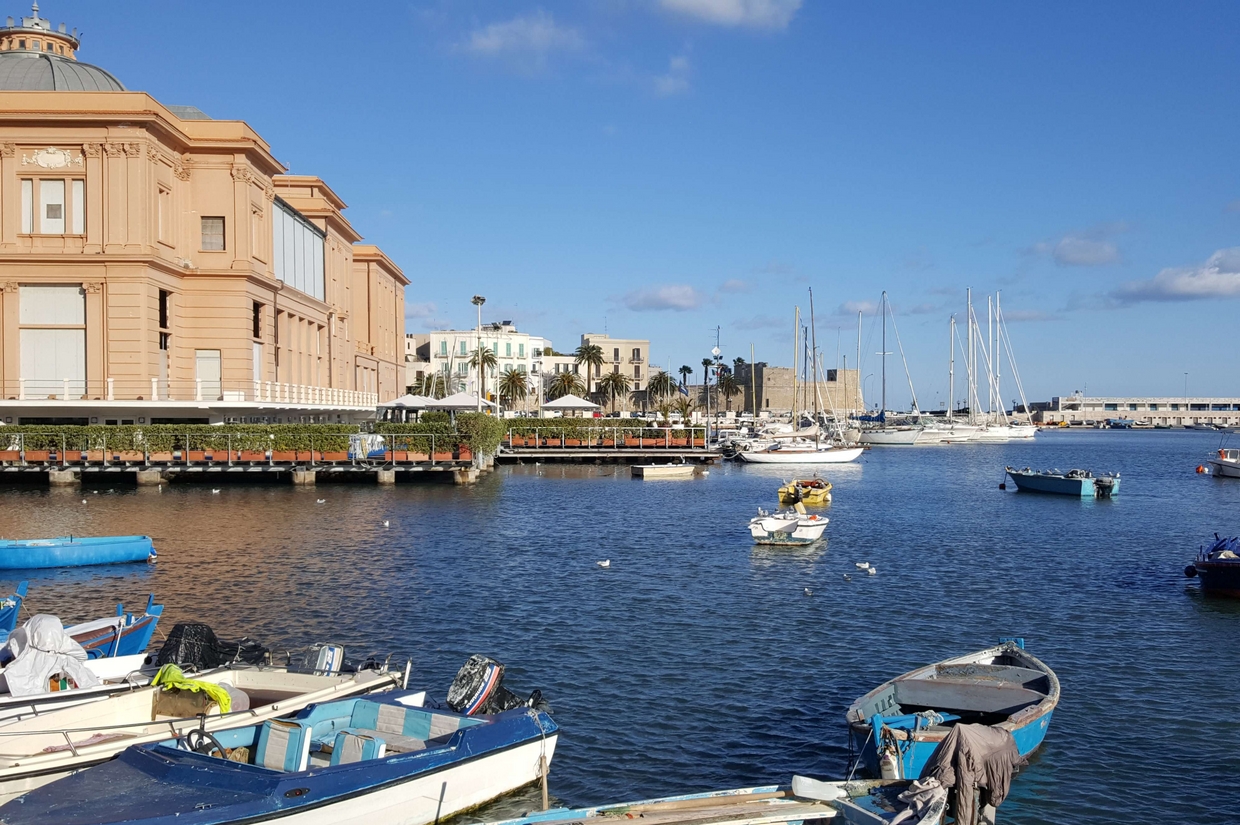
<point x="677" y="169"/>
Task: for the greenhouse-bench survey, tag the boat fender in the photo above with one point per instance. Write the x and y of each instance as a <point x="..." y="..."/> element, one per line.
<point x="1201" y="469"/>
<point x="1002" y="485"/>
<point x="1190" y="571"/>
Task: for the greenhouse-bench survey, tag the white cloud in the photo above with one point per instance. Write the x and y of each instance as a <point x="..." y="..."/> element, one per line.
<point x="536" y="33"/>
<point x="1218" y="277"/>
<point x="1091" y="247"/>
<point x="757" y="14"/>
<point x="761" y="322"/>
<point x="853" y="307"/>
<point x="420" y="310"/>
<point x="1028" y="316"/>
<point x="676" y="81"/>
<point x="734" y="285"/>
<point x="676" y="297"/>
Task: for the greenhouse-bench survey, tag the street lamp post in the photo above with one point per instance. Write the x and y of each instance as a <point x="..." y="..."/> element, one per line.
<point x="478" y="301"/>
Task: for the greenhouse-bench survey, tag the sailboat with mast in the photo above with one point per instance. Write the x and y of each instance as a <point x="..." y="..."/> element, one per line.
<point x="878" y="431"/>
<point x="797" y="447"/>
<point x="995" y="426"/>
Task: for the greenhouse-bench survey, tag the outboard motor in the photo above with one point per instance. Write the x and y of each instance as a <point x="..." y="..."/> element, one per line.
<point x="195" y="645"/>
<point x="478" y="688"/>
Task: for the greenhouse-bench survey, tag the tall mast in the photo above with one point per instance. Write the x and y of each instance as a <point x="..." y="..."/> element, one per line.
<point x="998" y="356"/>
<point x="813" y="348"/>
<point x="951" y="366"/>
<point x="796" y="347"/>
<point x="884" y="311"/>
<point x="753" y="386"/>
<point x="857" y="366"/>
<point x="990" y="372"/>
<point x="971" y="361"/>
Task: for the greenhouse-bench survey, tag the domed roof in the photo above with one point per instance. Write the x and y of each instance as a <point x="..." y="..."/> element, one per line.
<point x="37" y="72"/>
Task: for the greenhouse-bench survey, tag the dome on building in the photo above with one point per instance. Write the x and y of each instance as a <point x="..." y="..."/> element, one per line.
<point x="34" y="57"/>
<point x="28" y="72"/>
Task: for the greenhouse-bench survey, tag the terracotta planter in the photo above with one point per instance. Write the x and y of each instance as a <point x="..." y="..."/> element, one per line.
<point x="551" y="442"/>
<point x="609" y="442"/>
<point x="341" y="455"/>
<point x="398" y="455"/>
<point x="419" y="457"/>
<point x="10" y="455"/>
<point x="516" y="441"/>
<point x="287" y="456"/>
<point x="442" y="456"/>
<point x="38" y="455"/>
<point x="699" y="442"/>
<point x="245" y="455"/>
<point x="464" y="455"/>
<point x="572" y="442"/>
<point x="308" y="455"/>
<point x="197" y="456"/>
<point x="164" y="457"/>
<point x="680" y="442"/>
<point x="130" y="456"/>
<point x="89" y="455"/>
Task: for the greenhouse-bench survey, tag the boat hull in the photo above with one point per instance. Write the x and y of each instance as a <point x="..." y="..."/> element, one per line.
<point x="891" y="438"/>
<point x="838" y="455"/>
<point x="34" y="554"/>
<point x="1086" y="487"/>
<point x="1218" y="578"/>
<point x="654" y="471"/>
<point x="810" y="492"/>
<point x="1224" y="468"/>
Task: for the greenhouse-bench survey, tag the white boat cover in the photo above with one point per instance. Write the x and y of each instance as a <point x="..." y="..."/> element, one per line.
<point x="41" y="649"/>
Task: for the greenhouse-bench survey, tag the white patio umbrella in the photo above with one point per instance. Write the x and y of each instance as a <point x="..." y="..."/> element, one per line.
<point x="458" y="402"/>
<point x="570" y="402"/>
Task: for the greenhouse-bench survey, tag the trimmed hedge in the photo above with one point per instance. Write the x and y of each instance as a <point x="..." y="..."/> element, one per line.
<point x="478" y="432"/>
<point x="159" y="438"/>
<point x="590" y="428"/>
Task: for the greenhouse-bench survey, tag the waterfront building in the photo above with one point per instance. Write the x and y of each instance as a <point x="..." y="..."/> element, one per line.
<point x="840" y="393"/>
<point x="1175" y="411"/>
<point x="158" y="265"/>
<point x="628" y="355"/>
<point x="450" y="352"/>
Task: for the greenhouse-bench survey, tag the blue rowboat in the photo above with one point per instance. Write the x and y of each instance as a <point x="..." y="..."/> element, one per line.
<point x="121" y="635"/>
<point x="10" y="606"/>
<point x="897" y="727"/>
<point x="1077" y="483"/>
<point x="74" y="551"/>
<point x="366" y="760"/>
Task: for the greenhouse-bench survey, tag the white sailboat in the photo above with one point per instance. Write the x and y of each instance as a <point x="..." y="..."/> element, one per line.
<point x="892" y="435"/>
<point x="995" y="426"/>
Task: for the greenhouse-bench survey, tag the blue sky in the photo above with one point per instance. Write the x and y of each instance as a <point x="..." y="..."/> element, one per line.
<point x="663" y="167"/>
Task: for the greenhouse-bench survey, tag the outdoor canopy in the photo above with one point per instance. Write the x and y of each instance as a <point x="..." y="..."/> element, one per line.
<point x="569" y="402"/>
<point x="461" y="401"/>
<point x="410" y="402"/>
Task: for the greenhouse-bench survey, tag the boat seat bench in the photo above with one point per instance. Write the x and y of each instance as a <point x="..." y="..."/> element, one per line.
<point x="399" y="728"/>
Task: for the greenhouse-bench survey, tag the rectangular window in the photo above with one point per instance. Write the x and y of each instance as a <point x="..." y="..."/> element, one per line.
<point x="508" y="350"/>
<point x="27" y="206"/>
<point x="616" y="354"/>
<point x="1111" y="407"/>
<point x="637" y="371"/>
<point x="78" y="200"/>
<point x="165" y="214"/>
<point x="258" y="362"/>
<point x="462" y="348"/>
<point x="520" y="350"/>
<point x="165" y="339"/>
<point x="213" y="234"/>
<point x="1153" y="407"/>
<point x="164" y="300"/>
<point x="52" y="207"/>
<point x="297" y="250"/>
<point x="462" y="368"/>
<point x="257" y="320"/>
<point x="55" y="350"/>
<point x="443" y="347"/>
<point x="1175" y="407"/>
<point x="207" y="371"/>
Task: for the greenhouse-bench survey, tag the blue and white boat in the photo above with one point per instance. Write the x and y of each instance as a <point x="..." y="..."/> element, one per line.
<point x="121" y="635"/>
<point x="896" y="727"/>
<point x="377" y="759"/>
<point x="10" y="607"/>
<point x="1077" y="483"/>
<point x="74" y="551"/>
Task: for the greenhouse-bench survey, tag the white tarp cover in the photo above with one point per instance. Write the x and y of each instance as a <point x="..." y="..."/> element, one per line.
<point x="41" y="649"/>
<point x="570" y="402"/>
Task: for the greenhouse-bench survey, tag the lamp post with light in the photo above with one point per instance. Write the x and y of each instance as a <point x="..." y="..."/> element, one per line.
<point x="478" y="301"/>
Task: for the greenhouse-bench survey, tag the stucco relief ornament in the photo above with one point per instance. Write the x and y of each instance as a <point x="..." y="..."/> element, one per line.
<point x="240" y="173"/>
<point x="134" y="150"/>
<point x="52" y="158"/>
<point x="90" y="150"/>
<point x="93" y="287"/>
<point x="113" y="150"/>
<point x="181" y="170"/>
<point x="10" y="286"/>
<point x="8" y="150"/>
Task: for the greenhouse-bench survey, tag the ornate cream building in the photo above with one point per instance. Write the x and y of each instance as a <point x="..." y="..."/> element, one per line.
<point x="158" y="265"/>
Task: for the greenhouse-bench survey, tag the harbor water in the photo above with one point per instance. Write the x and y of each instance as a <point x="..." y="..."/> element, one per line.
<point x="696" y="661"/>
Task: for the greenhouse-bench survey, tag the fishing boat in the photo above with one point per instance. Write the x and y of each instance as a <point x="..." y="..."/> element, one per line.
<point x="1218" y="567"/>
<point x="663" y="471"/>
<point x="10" y="607"/>
<point x="121" y="635"/>
<point x="1226" y="463"/>
<point x="788" y="527"/>
<point x="808" y="491"/>
<point x="74" y="551"/>
<point x="1076" y="483"/>
<point x="897" y="726"/>
<point x="358" y="760"/>
<point x="806" y="452"/>
<point x="805" y="800"/>
<point x="39" y="749"/>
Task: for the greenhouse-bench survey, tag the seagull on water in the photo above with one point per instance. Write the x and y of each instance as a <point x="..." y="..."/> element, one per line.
<point x="873" y="571"/>
<point x="215" y="491"/>
<point x="83" y="501"/>
<point x="862" y="565"/>
<point x="321" y="501"/>
<point x="604" y="563"/>
<point x="809" y="592"/>
<point x="847" y="577"/>
<point x="385" y="522"/>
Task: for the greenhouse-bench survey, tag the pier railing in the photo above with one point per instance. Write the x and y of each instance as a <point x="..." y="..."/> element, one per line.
<point x="228" y="449"/>
<point x="606" y="438"/>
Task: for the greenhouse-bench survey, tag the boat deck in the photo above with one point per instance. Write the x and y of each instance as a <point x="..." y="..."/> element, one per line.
<point x="749" y="809"/>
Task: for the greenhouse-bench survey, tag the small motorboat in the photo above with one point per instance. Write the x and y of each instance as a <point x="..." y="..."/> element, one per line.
<point x="787" y="527"/>
<point x="74" y="551"/>
<point x="1225" y="463"/>
<point x="809" y="491"/>
<point x="1076" y="483"/>
<point x="364" y="760"/>
<point x="1218" y="567"/>
<point x="663" y="471"/>
<point x="10" y="607"/>
<point x="896" y="727"/>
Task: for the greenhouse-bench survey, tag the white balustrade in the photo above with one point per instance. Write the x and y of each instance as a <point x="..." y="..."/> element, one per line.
<point x="65" y="397"/>
<point x="111" y="389"/>
<point x="258" y="391"/>
<point x="21" y="389"/>
<point x="197" y="389"/>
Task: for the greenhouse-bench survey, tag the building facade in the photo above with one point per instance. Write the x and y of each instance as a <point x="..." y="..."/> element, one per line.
<point x="158" y="265"/>
<point x="840" y="394"/>
<point x="1185" y="411"/>
<point x="630" y="356"/>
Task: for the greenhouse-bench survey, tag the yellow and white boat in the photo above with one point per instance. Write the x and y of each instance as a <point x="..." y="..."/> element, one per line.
<point x="809" y="491"/>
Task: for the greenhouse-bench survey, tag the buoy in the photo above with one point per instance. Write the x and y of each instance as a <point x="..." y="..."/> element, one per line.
<point x="1201" y="468"/>
<point x="1002" y="485"/>
<point x="1190" y="571"/>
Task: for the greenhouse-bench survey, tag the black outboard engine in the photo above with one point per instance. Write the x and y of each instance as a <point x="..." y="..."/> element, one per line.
<point x="479" y="689"/>
<point x="195" y="646"/>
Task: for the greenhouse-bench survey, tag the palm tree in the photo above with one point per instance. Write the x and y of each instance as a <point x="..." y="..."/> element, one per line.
<point x="729" y="387"/>
<point x="513" y="386"/>
<point x="486" y="356"/>
<point x="565" y="383"/>
<point x="592" y="356"/>
<point x="660" y="386"/>
<point x="685" y="372"/>
<point x="685" y="406"/>
<point x="737" y="363"/>
<point x="615" y="385"/>
<point x="431" y="385"/>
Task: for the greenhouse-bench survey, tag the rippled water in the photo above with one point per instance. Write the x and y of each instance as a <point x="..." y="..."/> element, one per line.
<point x="696" y="661"/>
